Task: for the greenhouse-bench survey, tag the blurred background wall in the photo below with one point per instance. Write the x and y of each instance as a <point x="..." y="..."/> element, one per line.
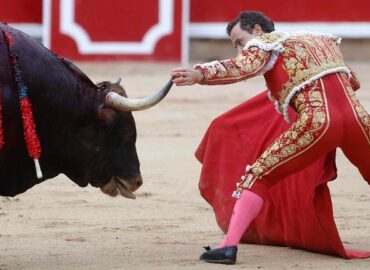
<point x="176" y="30"/>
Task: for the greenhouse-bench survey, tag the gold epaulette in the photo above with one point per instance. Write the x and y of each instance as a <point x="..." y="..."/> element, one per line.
<point x="269" y="41"/>
<point x="272" y="37"/>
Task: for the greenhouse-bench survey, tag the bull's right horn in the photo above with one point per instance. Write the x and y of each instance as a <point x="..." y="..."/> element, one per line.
<point x="121" y="103"/>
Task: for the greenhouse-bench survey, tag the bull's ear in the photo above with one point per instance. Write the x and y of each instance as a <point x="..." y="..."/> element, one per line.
<point x="106" y="114"/>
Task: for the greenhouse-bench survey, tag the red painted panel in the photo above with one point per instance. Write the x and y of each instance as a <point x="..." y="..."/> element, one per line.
<point x="113" y="19"/>
<point x="21" y="11"/>
<point x="282" y="11"/>
<point x="168" y="48"/>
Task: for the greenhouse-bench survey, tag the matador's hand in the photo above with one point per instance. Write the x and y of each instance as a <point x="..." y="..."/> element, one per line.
<point x="186" y="76"/>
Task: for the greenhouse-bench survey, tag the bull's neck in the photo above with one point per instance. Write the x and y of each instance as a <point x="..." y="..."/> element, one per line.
<point x="67" y="102"/>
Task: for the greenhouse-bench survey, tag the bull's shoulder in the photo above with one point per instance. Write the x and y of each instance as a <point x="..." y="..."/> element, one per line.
<point x="74" y="69"/>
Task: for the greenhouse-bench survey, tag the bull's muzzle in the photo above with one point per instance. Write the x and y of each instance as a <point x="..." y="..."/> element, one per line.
<point x="124" y="187"/>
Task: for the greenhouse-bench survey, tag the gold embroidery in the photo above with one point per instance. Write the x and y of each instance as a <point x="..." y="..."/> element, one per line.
<point x="306" y="56"/>
<point x="270" y="37"/>
<point x="359" y="110"/>
<point x="311" y="106"/>
<point x="246" y="64"/>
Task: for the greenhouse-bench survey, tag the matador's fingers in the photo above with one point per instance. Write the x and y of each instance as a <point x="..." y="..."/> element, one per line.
<point x="180" y="69"/>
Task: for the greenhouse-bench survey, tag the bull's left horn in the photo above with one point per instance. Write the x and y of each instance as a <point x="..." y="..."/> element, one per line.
<point x="121" y="103"/>
<point x="118" y="81"/>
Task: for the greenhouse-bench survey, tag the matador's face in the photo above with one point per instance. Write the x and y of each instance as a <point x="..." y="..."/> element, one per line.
<point x="239" y="37"/>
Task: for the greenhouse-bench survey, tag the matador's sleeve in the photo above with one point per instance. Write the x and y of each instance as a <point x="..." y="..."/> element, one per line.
<point x="248" y="63"/>
<point x="354" y="80"/>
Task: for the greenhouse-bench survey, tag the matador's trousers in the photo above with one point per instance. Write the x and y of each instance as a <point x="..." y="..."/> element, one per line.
<point x="330" y="116"/>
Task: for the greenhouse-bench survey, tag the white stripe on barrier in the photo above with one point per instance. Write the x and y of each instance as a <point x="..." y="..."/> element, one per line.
<point x="32" y="29"/>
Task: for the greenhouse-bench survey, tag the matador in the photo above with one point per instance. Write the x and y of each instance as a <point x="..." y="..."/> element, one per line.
<point x="305" y="71"/>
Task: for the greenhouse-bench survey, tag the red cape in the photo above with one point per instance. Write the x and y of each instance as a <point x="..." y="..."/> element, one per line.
<point x="297" y="211"/>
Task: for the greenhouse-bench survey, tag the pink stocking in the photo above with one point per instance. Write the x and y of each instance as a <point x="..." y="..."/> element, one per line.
<point x="245" y="210"/>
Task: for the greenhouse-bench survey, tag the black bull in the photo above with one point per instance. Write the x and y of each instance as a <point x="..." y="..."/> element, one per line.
<point x="90" y="140"/>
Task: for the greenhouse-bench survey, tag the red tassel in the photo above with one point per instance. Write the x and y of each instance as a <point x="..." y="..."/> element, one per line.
<point x="9" y="39"/>
<point x="1" y="120"/>
<point x="30" y="136"/>
<point x="32" y="141"/>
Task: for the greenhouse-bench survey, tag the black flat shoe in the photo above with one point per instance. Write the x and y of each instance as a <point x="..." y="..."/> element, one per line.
<point x="226" y="255"/>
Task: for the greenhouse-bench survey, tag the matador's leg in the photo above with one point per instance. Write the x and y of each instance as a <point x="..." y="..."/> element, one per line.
<point x="356" y="142"/>
<point x="315" y="133"/>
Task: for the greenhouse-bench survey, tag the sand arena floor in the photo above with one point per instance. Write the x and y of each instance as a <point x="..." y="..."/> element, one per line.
<point x="57" y="225"/>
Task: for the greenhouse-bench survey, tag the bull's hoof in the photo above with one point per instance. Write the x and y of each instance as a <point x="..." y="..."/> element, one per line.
<point x="226" y="255"/>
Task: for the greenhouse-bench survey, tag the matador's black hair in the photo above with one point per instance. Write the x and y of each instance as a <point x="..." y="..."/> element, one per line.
<point x="248" y="19"/>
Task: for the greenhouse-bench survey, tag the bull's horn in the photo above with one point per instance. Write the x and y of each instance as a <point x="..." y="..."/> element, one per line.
<point x="121" y="103"/>
<point x="118" y="81"/>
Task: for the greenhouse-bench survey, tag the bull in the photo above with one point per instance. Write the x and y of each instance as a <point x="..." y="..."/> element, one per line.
<point x="86" y="130"/>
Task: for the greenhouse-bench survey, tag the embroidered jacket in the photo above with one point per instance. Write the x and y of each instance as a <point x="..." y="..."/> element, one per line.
<point x="289" y="62"/>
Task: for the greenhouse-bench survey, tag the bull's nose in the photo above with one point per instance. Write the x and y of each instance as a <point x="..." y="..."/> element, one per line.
<point x="138" y="181"/>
